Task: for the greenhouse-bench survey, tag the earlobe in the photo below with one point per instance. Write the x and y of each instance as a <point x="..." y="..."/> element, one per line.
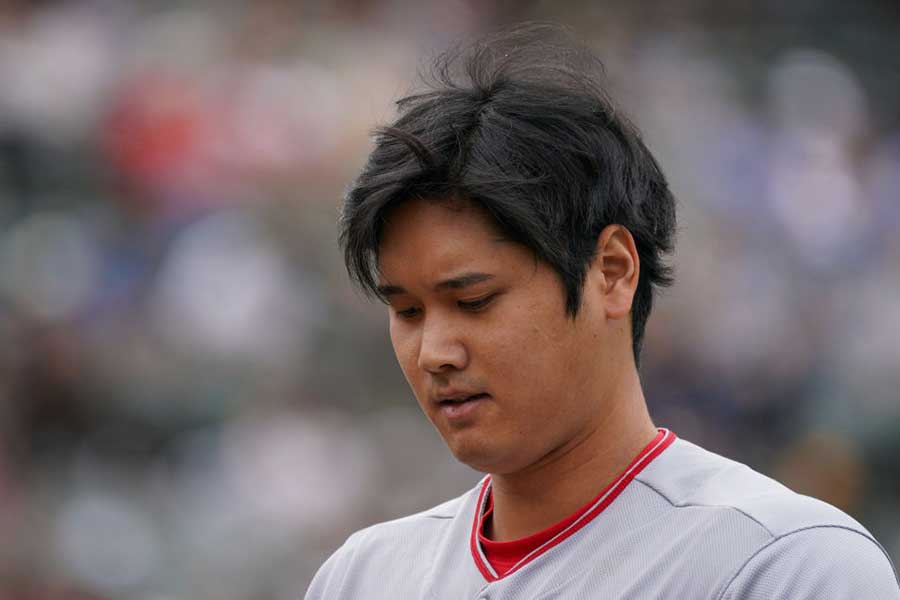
<point x="618" y="268"/>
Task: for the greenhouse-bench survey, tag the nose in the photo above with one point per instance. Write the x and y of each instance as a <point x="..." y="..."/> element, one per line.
<point x="441" y="348"/>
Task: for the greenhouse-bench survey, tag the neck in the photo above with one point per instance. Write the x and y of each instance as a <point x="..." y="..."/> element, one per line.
<point x="571" y="475"/>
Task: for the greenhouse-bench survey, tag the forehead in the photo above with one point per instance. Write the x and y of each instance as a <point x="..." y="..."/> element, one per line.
<point x="437" y="235"/>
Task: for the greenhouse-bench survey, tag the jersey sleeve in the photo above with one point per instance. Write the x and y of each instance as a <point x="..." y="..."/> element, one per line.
<point x="820" y="563"/>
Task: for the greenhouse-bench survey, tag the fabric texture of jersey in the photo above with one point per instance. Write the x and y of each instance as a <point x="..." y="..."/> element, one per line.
<point x="687" y="524"/>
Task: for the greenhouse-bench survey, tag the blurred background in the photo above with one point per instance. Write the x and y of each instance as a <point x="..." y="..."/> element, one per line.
<point x="194" y="404"/>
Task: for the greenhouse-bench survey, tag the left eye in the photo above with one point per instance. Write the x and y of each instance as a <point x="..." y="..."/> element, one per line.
<point x="476" y="305"/>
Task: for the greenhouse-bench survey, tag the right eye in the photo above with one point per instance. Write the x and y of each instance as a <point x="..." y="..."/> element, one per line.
<point x="407" y="313"/>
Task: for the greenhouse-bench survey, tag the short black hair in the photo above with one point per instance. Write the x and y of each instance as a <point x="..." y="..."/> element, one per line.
<point x="519" y="124"/>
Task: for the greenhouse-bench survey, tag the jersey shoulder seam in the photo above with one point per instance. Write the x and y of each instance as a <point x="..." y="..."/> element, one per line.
<point x="409" y="520"/>
<point x="782" y="536"/>
<point x="440" y="512"/>
<point x="721" y="506"/>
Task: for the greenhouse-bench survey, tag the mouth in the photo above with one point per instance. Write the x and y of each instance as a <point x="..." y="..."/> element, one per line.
<point x="461" y="408"/>
<point x="461" y="399"/>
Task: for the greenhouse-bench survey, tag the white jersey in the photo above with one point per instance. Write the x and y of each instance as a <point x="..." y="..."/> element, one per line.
<point x="681" y="523"/>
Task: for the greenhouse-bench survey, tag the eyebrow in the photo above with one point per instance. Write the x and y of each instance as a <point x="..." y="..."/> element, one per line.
<point x="454" y="283"/>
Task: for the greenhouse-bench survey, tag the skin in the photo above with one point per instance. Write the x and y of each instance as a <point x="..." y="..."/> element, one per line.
<point x="473" y="313"/>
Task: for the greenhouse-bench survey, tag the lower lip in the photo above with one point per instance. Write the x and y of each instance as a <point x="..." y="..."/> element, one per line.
<point x="457" y="411"/>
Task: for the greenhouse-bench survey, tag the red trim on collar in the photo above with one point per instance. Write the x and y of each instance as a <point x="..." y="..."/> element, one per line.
<point x="503" y="556"/>
<point x="572" y="523"/>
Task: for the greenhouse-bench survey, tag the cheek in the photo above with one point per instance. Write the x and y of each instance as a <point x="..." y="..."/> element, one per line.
<point x="405" y="346"/>
<point x="532" y="351"/>
<point x="542" y="365"/>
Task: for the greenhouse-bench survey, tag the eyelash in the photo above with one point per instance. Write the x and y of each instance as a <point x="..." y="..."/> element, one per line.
<point x="476" y="305"/>
<point x="468" y="306"/>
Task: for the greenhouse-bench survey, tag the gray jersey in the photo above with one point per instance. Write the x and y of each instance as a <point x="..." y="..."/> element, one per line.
<point x="683" y="524"/>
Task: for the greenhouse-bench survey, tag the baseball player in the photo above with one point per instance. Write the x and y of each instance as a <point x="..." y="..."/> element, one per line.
<point x="516" y="225"/>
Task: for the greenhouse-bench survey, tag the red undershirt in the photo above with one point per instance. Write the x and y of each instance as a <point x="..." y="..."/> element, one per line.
<point x="504" y="555"/>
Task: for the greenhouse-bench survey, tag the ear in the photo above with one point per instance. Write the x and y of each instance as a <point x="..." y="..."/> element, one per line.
<point x="615" y="270"/>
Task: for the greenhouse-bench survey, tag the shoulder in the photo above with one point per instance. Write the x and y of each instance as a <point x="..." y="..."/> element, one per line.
<point x="689" y="476"/>
<point x="798" y="540"/>
<point x="425" y="523"/>
<point x="371" y="552"/>
<point x="819" y="562"/>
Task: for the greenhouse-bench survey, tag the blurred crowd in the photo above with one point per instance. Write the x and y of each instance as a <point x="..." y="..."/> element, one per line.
<point x="195" y="404"/>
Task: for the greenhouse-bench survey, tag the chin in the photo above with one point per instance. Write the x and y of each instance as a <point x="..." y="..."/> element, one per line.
<point x="472" y="454"/>
<point x="481" y="456"/>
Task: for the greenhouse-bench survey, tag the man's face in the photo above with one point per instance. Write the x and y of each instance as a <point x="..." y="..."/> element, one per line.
<point x="481" y="333"/>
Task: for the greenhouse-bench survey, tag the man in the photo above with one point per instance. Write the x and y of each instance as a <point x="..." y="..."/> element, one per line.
<point x="515" y="224"/>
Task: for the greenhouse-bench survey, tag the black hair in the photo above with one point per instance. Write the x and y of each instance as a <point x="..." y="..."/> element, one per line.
<point x="519" y="124"/>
